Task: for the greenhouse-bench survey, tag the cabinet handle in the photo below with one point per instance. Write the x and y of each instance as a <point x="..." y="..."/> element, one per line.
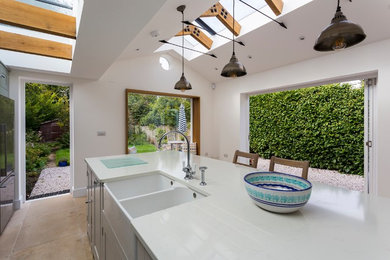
<point x="88" y="201"/>
<point x="95" y="182"/>
<point x="3" y="76"/>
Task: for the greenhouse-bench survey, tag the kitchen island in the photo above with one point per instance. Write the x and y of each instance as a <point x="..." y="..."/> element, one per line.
<point x="226" y="224"/>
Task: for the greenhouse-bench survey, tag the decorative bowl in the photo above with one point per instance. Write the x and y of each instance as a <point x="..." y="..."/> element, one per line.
<point x="277" y="192"/>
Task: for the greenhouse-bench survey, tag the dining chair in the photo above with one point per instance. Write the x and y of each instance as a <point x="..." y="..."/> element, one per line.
<point x="253" y="158"/>
<point x="292" y="163"/>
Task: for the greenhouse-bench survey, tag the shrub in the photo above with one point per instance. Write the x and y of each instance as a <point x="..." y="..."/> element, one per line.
<point x="137" y="137"/>
<point x="36" y="157"/>
<point x="159" y="133"/>
<point x="64" y="140"/>
<point x="324" y="125"/>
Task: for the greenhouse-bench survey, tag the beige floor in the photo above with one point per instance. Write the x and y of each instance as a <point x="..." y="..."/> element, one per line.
<point x="51" y="228"/>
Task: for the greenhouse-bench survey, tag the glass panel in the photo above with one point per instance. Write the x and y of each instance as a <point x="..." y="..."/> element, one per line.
<point x="151" y="116"/>
<point x="241" y="10"/>
<point x="60" y="6"/>
<point x="68" y="4"/>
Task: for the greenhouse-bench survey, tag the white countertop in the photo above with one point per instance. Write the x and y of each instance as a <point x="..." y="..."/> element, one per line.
<point x="335" y="224"/>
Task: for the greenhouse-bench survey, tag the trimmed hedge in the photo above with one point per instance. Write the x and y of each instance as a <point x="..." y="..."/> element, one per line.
<point x="324" y="125"/>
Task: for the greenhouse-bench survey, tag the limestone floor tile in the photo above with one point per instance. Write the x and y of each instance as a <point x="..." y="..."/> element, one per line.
<point x="19" y="216"/>
<point x="48" y="227"/>
<point x="80" y="202"/>
<point x="7" y="240"/>
<point x="41" y="207"/>
<point x="68" y="247"/>
<point x="52" y="228"/>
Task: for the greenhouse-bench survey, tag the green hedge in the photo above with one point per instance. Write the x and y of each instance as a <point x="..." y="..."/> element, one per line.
<point x="324" y="125"/>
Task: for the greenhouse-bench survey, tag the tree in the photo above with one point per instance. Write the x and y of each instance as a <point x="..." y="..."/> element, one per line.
<point x="45" y="103"/>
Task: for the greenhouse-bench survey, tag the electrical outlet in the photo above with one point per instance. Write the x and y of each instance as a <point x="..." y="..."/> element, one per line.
<point x="225" y="155"/>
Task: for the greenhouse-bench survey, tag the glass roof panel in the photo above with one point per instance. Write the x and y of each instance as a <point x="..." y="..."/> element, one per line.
<point x="241" y="11"/>
<point x="60" y="6"/>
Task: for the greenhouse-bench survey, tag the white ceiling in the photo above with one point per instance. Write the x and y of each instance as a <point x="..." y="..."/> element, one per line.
<point x="106" y="28"/>
<point x="270" y="46"/>
<point x="114" y="30"/>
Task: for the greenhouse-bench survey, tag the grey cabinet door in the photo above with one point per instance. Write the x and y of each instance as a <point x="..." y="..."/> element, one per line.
<point x="111" y="245"/>
<point x="97" y="210"/>
<point x="89" y="203"/>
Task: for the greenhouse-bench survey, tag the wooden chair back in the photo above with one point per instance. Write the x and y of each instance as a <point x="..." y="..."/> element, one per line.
<point x="253" y="158"/>
<point x="292" y="163"/>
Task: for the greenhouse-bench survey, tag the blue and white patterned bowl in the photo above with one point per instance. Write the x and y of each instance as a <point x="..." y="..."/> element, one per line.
<point x="277" y="192"/>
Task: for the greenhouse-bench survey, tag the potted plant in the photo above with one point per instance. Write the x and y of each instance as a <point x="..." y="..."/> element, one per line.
<point x="63" y="162"/>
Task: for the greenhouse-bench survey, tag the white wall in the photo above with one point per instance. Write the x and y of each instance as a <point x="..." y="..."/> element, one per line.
<point x="100" y="105"/>
<point x="367" y="60"/>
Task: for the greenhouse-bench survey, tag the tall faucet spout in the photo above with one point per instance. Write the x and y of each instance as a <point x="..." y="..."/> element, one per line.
<point x="186" y="169"/>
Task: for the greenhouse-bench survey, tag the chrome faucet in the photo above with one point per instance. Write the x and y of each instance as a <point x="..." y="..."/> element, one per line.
<point x="187" y="169"/>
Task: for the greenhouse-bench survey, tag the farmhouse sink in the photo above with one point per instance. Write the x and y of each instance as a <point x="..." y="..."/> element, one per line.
<point x="148" y="204"/>
<point x="140" y="185"/>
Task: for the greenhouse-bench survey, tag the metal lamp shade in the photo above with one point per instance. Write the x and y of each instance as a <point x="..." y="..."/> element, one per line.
<point x="234" y="68"/>
<point x="183" y="84"/>
<point x="339" y="34"/>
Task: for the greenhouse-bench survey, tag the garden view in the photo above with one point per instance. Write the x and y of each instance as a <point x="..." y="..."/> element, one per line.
<point x="324" y="125"/>
<point x="47" y="132"/>
<point x="151" y="116"/>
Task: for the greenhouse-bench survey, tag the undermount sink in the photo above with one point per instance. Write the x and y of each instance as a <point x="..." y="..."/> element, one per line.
<point x="140" y="185"/>
<point x="144" y="205"/>
<point x="145" y="194"/>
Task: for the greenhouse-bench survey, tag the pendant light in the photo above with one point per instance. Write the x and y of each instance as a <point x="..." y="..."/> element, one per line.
<point x="234" y="68"/>
<point x="339" y="34"/>
<point x="183" y="84"/>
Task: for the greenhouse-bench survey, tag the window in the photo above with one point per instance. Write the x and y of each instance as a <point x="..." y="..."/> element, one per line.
<point x="150" y="115"/>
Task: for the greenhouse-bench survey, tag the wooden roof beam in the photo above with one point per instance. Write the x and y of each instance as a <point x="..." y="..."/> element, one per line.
<point x="224" y="16"/>
<point x="198" y="35"/>
<point x="26" y="44"/>
<point x="276" y="6"/>
<point x="38" y="19"/>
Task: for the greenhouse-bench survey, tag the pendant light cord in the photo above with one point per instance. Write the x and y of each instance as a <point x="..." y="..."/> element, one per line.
<point x="338" y="6"/>
<point x="234" y="21"/>
<point x="182" y="43"/>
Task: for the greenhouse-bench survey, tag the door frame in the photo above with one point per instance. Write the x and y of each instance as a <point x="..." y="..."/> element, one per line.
<point x="370" y="185"/>
<point x="370" y="176"/>
<point x="22" y="131"/>
<point x="195" y="125"/>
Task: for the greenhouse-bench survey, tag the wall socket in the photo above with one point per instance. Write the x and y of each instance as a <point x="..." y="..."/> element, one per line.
<point x="225" y="155"/>
<point x="101" y="133"/>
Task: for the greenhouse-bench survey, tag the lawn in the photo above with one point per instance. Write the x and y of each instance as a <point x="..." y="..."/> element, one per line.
<point x="62" y="154"/>
<point x="146" y="148"/>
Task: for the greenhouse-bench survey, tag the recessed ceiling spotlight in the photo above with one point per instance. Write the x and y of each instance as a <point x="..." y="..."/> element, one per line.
<point x="137" y="49"/>
<point x="155" y="34"/>
<point x="302" y="38"/>
<point x="215" y="68"/>
<point x="250" y="57"/>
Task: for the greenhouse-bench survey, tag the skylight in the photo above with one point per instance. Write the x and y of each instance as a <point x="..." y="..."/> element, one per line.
<point x="241" y="12"/>
<point x="60" y="6"/>
<point x="246" y="16"/>
<point x="54" y="40"/>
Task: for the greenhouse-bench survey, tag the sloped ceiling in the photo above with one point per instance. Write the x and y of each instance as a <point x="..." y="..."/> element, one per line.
<point x="269" y="46"/>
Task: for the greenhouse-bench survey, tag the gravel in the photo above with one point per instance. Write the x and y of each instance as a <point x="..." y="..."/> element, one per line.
<point x="51" y="180"/>
<point x="333" y="178"/>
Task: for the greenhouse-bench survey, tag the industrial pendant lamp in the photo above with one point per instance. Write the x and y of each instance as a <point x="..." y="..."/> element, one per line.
<point x="339" y="34"/>
<point x="234" y="68"/>
<point x="183" y="84"/>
